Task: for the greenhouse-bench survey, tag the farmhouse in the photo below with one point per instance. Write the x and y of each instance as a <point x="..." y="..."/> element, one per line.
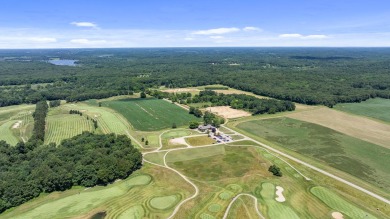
<point x="204" y="128"/>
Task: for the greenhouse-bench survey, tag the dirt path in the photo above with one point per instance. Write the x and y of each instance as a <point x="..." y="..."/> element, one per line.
<point x="235" y="198"/>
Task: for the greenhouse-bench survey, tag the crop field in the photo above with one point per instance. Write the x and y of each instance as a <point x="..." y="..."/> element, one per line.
<point x="63" y="126"/>
<point x="136" y="197"/>
<point x="375" y="108"/>
<point x="361" y="159"/>
<point x="356" y="126"/>
<point x="151" y="114"/>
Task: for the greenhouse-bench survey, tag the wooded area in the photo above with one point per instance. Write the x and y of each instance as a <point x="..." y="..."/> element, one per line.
<point x="304" y="75"/>
<point x="85" y="160"/>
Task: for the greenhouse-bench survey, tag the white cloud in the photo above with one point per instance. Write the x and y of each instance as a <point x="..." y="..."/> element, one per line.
<point x="216" y="37"/>
<point x="87" y="41"/>
<point x="84" y="24"/>
<point x="251" y="29"/>
<point x="42" y="39"/>
<point x="217" y="31"/>
<point x="300" y="36"/>
<point x="316" y="37"/>
<point x="188" y="38"/>
<point x="290" y="35"/>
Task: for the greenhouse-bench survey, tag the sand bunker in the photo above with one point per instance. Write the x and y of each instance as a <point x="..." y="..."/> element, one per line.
<point x="337" y="215"/>
<point x="181" y="90"/>
<point x="279" y="193"/>
<point x="176" y="141"/>
<point x="227" y="112"/>
<point x="17" y="124"/>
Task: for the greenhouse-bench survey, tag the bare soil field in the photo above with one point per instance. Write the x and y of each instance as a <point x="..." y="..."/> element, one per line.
<point x="227" y="112"/>
<point x="355" y="126"/>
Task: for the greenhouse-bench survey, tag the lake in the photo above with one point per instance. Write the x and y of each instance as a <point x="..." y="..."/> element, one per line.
<point x="67" y="62"/>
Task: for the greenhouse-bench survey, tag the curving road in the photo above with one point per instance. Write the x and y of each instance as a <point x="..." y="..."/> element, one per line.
<point x="318" y="169"/>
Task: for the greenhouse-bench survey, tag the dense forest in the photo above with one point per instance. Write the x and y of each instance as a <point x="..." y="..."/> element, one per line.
<point x="242" y="101"/>
<point x="85" y="160"/>
<point x="304" y="75"/>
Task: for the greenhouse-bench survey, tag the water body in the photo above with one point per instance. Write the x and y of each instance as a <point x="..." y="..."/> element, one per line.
<point x="67" y="62"/>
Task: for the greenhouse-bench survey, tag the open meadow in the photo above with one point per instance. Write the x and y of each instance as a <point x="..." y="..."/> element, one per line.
<point x="151" y="114"/>
<point x="377" y="108"/>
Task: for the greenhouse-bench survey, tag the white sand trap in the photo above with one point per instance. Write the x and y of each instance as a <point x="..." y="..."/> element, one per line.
<point x="176" y="141"/>
<point x="279" y="193"/>
<point x="337" y="215"/>
<point x="17" y="124"/>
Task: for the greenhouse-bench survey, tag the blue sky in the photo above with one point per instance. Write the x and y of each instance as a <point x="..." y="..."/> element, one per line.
<point x="174" y="23"/>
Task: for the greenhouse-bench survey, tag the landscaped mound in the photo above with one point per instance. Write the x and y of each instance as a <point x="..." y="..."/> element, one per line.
<point x="85" y="160"/>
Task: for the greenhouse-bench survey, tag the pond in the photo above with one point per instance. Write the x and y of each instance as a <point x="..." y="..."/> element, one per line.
<point x="67" y="62"/>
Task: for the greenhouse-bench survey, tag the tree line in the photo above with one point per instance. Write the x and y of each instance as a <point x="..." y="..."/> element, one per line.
<point x="243" y="101"/>
<point x="84" y="160"/>
<point x="38" y="134"/>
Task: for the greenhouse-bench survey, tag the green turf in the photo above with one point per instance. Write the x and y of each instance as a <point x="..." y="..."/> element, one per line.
<point x="377" y="108"/>
<point x="135" y="212"/>
<point x="139" y="180"/>
<point x="164" y="202"/>
<point x="200" y="140"/>
<point x="195" y="153"/>
<point x="215" y="208"/>
<point x="157" y="157"/>
<point x="64" y="126"/>
<point x="151" y="114"/>
<point x="176" y="134"/>
<point x="276" y="210"/>
<point x="339" y="204"/>
<point x="225" y="195"/>
<point x="236" y="162"/>
<point x="206" y="216"/>
<point x="6" y="133"/>
<point x="11" y="111"/>
<point x="361" y="159"/>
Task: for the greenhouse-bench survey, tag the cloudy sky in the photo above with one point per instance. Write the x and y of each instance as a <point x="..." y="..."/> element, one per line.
<point x="189" y="23"/>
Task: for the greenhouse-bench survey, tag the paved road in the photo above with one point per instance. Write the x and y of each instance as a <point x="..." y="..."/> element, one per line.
<point x="319" y="170"/>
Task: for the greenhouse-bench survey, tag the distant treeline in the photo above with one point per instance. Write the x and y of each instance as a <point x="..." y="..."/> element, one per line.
<point x="243" y="101"/>
<point x="85" y="160"/>
<point x="305" y="75"/>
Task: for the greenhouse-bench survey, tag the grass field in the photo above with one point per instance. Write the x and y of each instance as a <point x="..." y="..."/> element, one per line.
<point x="64" y="126"/>
<point x="151" y="114"/>
<point x="6" y="133"/>
<point x="338" y="204"/>
<point x="376" y="108"/>
<point x="200" y="140"/>
<point x="361" y="159"/>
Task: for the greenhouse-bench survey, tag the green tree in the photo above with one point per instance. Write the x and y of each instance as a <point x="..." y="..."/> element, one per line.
<point x="174" y="125"/>
<point x="275" y="170"/>
<point x="194" y="124"/>
<point x="143" y="95"/>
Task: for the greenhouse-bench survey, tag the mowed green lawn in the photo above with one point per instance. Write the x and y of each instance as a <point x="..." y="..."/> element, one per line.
<point x="63" y="126"/>
<point x="377" y="108"/>
<point x="150" y="114"/>
<point x="361" y="159"/>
